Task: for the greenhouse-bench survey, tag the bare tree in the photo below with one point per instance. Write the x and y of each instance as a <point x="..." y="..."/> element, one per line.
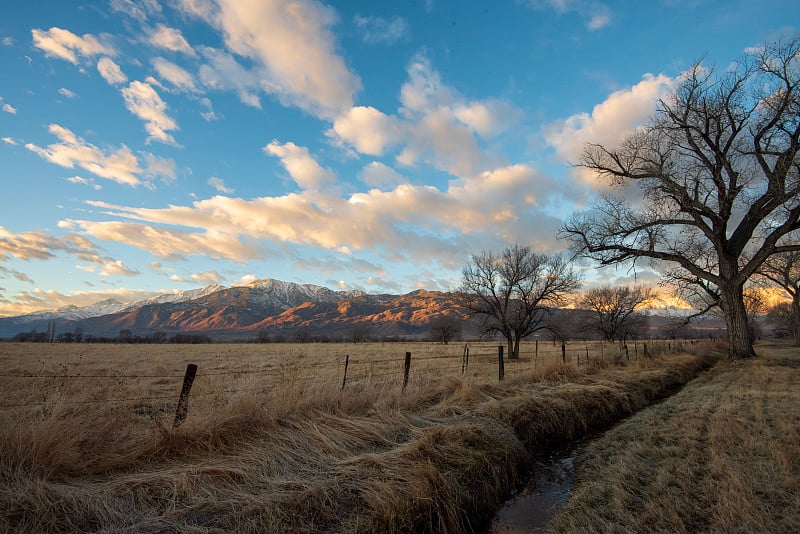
<point x="444" y="328"/>
<point x="510" y="292"/>
<point x="784" y="270"/>
<point x="613" y="309"/>
<point x="719" y="176"/>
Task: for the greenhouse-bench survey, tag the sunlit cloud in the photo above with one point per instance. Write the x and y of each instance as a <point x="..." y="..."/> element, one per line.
<point x="40" y="299"/>
<point x="219" y="185"/>
<point x="8" y="108"/>
<point x="144" y="102"/>
<point x="378" y="30"/>
<point x="292" y="47"/>
<point x="63" y="44"/>
<point x="176" y="76"/>
<point x="8" y="140"/>
<point x="66" y="93"/>
<point x="137" y="9"/>
<point x="84" y="181"/>
<point x="376" y="174"/>
<point x="169" y="39"/>
<point x="119" y="165"/>
<point x="306" y="172"/>
<point x="110" y="71"/>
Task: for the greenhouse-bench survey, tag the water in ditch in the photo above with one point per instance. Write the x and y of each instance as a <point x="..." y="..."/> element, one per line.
<point x="535" y="505"/>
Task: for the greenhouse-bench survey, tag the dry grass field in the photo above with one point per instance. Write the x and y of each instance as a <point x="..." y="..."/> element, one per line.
<point x="723" y="455"/>
<point x="273" y="444"/>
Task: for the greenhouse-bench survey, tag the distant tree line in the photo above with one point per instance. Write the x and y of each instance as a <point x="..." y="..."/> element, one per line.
<point x="125" y="336"/>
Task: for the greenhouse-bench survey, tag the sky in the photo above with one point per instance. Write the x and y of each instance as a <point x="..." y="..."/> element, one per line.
<point x="153" y="146"/>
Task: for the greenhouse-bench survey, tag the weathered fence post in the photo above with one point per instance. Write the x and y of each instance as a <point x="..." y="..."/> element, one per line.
<point x="536" y="351"/>
<point x="501" y="371"/>
<point x="406" y="369"/>
<point x="635" y="350"/>
<point x="183" y="400"/>
<point x="563" y="352"/>
<point x="346" y="363"/>
<point x="465" y="358"/>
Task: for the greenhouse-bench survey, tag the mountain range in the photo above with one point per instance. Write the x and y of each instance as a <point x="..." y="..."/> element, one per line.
<point x="239" y="312"/>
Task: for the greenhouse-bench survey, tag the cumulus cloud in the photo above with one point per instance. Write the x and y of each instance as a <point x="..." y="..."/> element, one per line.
<point x="368" y="130"/>
<point x="158" y="167"/>
<point x="144" y="102"/>
<point x="219" y="185"/>
<point x="376" y="174"/>
<point x="175" y="75"/>
<point x="119" y="165"/>
<point x="223" y="72"/>
<point x="292" y="47"/>
<point x="610" y="121"/>
<point x="169" y="39"/>
<point x="110" y="71"/>
<point x="407" y="223"/>
<point x="66" y="92"/>
<point x="306" y="172"/>
<point x="596" y="15"/>
<point x="378" y="30"/>
<point x="8" y="108"/>
<point x="435" y="124"/>
<point x="116" y="268"/>
<point x="207" y="278"/>
<point x="137" y="9"/>
<point x="60" y="43"/>
<point x="84" y="181"/>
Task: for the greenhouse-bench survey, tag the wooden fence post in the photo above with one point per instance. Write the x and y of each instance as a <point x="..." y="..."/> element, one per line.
<point x="183" y="400"/>
<point x="563" y="352"/>
<point x="465" y="358"/>
<point x="346" y="363"/>
<point x="406" y="369"/>
<point x="501" y="372"/>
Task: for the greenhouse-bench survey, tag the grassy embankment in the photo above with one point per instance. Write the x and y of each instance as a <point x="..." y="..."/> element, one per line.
<point x="723" y="455"/>
<point x="295" y="457"/>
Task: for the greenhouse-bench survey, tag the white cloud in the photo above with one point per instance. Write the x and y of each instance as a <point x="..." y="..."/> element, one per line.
<point x="367" y="129"/>
<point x="116" y="268"/>
<point x="8" y="41"/>
<point x="84" y="181"/>
<point x="8" y="108"/>
<point x="39" y="299"/>
<point x="169" y="39"/>
<point x="119" y="165"/>
<point x="66" y="92"/>
<point x="219" y="185"/>
<point x="435" y="124"/>
<point x="144" y="102"/>
<point x="60" y="43"/>
<point x="86" y="268"/>
<point x="223" y="72"/>
<point x="611" y="121"/>
<point x="110" y="71"/>
<point x="208" y="277"/>
<point x="158" y="167"/>
<point x="209" y="114"/>
<point x="137" y="9"/>
<point x="8" y="140"/>
<point x="376" y="174"/>
<point x="292" y="47"/>
<point x="175" y="75"/>
<point x="596" y="14"/>
<point x="378" y="30"/>
<point x="306" y="172"/>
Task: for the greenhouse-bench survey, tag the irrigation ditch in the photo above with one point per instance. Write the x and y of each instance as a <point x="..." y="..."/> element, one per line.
<point x="548" y="471"/>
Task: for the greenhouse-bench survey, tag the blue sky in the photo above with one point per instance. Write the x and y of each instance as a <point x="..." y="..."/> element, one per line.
<point x="154" y="146"/>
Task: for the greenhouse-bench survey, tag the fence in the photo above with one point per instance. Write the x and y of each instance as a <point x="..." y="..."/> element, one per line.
<point x="483" y="361"/>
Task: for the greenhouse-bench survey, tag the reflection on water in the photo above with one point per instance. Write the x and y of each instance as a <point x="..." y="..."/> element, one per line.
<point x="535" y="505"/>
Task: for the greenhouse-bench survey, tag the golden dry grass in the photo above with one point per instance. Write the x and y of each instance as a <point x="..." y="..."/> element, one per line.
<point x="723" y="455"/>
<point x="279" y="448"/>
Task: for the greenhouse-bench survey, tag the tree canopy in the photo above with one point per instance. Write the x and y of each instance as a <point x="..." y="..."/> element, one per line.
<point x="718" y="173"/>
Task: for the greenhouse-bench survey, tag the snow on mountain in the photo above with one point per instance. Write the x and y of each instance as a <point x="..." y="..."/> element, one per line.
<point x="175" y="297"/>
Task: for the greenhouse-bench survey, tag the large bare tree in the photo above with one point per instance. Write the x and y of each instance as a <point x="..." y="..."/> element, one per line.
<point x="511" y="292"/>
<point x="784" y="270"/>
<point x="719" y="177"/>
<point x="614" y="309"/>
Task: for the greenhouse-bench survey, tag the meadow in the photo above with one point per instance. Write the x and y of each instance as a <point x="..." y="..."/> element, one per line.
<point x="274" y="442"/>
<point x="722" y="455"/>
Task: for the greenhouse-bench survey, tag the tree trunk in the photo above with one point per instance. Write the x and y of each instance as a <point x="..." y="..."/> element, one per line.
<point x="740" y="337"/>
<point x="510" y="347"/>
<point x="515" y="354"/>
<point x="795" y="319"/>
